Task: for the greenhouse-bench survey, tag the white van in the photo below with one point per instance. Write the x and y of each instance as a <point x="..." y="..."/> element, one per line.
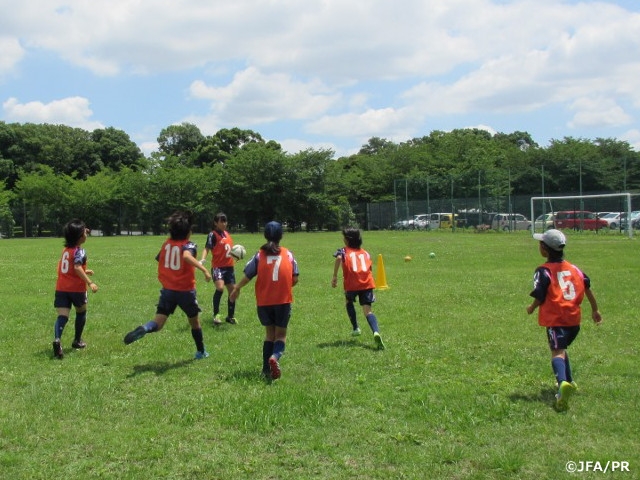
<point x="510" y="221"/>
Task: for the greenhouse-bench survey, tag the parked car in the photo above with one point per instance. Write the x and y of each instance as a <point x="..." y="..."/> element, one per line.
<point x="635" y="220"/>
<point x="613" y="219"/>
<point x="401" y="225"/>
<point x="510" y="221"/>
<point x="421" y="221"/>
<point x="579" y="220"/>
<point x="442" y="220"/>
<point x="544" y="222"/>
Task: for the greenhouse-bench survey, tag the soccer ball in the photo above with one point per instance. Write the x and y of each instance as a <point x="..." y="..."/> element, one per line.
<point x="432" y="255"/>
<point x="238" y="252"/>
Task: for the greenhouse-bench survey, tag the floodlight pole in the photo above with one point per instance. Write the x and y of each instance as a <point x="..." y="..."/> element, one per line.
<point x="581" y="200"/>
<point x="406" y="197"/>
<point x="453" y="215"/>
<point x="428" y="207"/>
<point x="395" y="200"/>
<point x="479" y="199"/>
<point x="542" y="178"/>
<point x="509" y="207"/>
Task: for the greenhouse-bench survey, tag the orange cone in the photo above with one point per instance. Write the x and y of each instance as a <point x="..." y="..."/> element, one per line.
<point x="381" y="276"/>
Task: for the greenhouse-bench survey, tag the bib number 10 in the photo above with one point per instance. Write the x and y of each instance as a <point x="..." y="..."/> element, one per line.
<point x="172" y="257"/>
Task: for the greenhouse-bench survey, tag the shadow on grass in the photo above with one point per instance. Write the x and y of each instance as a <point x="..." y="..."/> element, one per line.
<point x="348" y="344"/>
<point x="159" y="368"/>
<point x="546" y="396"/>
<point x="249" y="374"/>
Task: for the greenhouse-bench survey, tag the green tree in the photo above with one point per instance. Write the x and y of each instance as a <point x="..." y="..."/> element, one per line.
<point x="255" y="180"/>
<point x="7" y="221"/>
<point x="174" y="188"/>
<point x="130" y="196"/>
<point x="180" y="141"/>
<point x="94" y="201"/>
<point x="43" y="197"/>
<point x="220" y="147"/>
<point x="116" y="151"/>
<point x="305" y="197"/>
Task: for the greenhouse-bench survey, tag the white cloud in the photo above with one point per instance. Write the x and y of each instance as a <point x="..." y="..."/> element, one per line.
<point x="340" y="70"/>
<point x="73" y="111"/>
<point x="633" y="137"/>
<point x="598" y="112"/>
<point x="254" y="98"/>
<point x="12" y="53"/>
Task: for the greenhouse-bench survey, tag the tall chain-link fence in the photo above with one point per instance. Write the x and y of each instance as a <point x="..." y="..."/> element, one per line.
<point x="480" y="212"/>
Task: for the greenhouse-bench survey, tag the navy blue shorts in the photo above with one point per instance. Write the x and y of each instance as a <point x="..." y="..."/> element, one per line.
<point x="365" y="297"/>
<point x="224" y="273"/>
<point x="66" y="299"/>
<point x="170" y="299"/>
<point x="277" y="315"/>
<point x="561" y="337"/>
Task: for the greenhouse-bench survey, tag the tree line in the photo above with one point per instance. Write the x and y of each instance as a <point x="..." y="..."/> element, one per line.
<point x="50" y="173"/>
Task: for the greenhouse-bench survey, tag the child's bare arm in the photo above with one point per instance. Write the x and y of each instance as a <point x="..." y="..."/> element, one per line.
<point x="595" y="313"/>
<point x="236" y="289"/>
<point x="191" y="260"/>
<point x="85" y="276"/>
<point x="532" y="308"/>
<point x="205" y="252"/>
<point x="336" y="266"/>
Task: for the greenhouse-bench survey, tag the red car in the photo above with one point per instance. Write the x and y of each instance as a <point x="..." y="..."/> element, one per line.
<point x="579" y="220"/>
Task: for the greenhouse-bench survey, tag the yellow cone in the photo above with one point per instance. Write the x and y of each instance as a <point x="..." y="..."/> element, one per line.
<point x="381" y="276"/>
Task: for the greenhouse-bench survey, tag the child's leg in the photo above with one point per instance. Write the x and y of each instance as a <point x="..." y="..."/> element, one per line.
<point x="61" y="321"/>
<point x="280" y="342"/>
<point x="371" y="318"/>
<point x="217" y="296"/>
<point x="351" y="312"/>
<point x="267" y="351"/>
<point x="231" y="306"/>
<point x="279" y="334"/>
<point x="567" y="367"/>
<point x="558" y="365"/>
<point x="196" y="333"/>
<point x="81" y="320"/>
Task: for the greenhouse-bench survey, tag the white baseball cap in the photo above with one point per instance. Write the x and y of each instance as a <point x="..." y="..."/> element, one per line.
<point x="552" y="238"/>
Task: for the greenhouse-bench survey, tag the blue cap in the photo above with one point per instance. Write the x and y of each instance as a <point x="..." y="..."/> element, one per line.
<point x="273" y="231"/>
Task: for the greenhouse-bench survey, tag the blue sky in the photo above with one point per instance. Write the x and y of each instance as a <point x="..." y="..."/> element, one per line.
<point x="325" y="73"/>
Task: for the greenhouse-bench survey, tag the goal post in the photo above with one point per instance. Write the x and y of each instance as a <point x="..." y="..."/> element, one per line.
<point x="618" y="202"/>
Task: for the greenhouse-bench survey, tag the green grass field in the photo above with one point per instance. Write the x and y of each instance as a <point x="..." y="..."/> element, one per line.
<point x="464" y="389"/>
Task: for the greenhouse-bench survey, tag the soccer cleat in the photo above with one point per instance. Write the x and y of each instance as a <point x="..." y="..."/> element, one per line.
<point x="231" y="320"/>
<point x="57" y="350"/>
<point x="200" y="355"/>
<point x="563" y="396"/>
<point x="572" y="383"/>
<point x="78" y="344"/>
<point x="356" y="333"/>
<point x="135" y="335"/>
<point x="216" y="319"/>
<point x="378" y="340"/>
<point x="274" y="366"/>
